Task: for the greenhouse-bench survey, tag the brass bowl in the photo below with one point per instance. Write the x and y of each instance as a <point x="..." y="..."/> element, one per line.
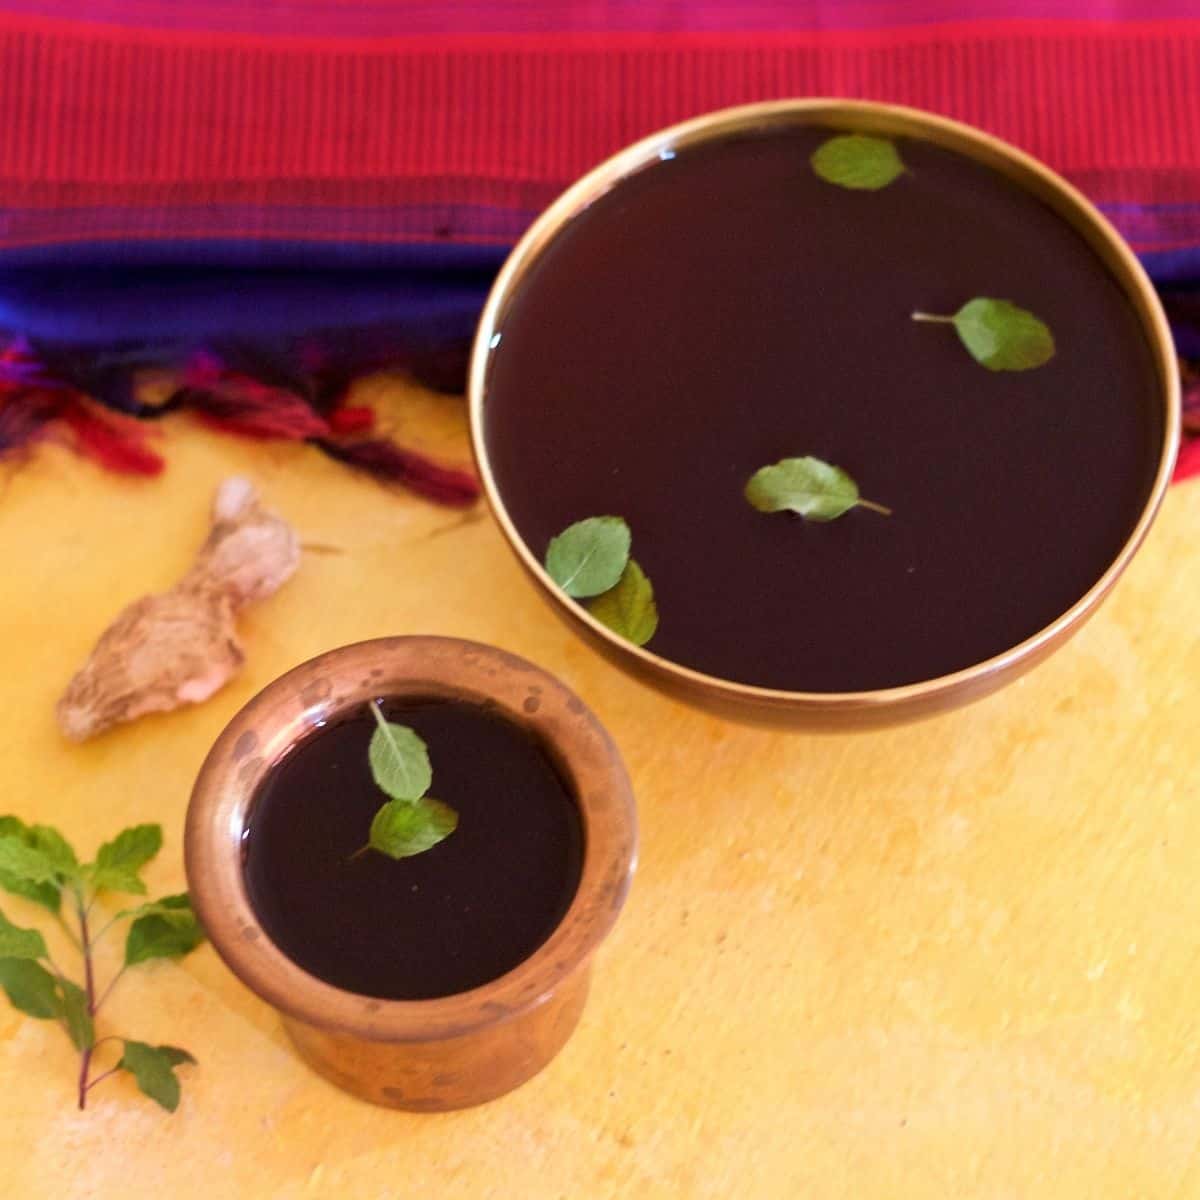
<point x="832" y="710"/>
<point x="453" y="1051"/>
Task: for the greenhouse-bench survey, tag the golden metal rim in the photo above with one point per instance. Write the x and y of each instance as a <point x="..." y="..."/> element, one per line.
<point x="856" y="115"/>
<point x="219" y="807"/>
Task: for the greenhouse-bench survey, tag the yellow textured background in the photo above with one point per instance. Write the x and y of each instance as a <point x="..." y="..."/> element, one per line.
<point x="955" y="959"/>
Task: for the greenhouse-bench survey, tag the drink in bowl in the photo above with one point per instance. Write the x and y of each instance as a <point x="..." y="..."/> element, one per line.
<point x="823" y="413"/>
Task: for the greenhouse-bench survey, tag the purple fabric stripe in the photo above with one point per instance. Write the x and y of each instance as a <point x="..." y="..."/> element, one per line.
<point x="242" y="233"/>
<point x="148" y="306"/>
<point x="1174" y="268"/>
<point x="384" y="18"/>
<point x="395" y="223"/>
<point x="1133" y="206"/>
<point x="432" y="258"/>
<point x="1151" y="227"/>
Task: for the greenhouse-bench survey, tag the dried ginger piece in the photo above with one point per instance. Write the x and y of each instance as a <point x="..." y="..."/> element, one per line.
<point x="179" y="647"/>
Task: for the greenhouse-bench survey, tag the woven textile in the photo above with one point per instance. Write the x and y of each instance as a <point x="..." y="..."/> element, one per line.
<point x="174" y="175"/>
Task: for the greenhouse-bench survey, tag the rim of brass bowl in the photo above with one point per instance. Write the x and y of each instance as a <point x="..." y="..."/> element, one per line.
<point x="943" y="691"/>
<point x="288" y="709"/>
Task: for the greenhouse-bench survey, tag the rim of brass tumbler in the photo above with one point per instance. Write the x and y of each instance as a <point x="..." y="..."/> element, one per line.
<point x="452" y="1051"/>
<point x="831" y="710"/>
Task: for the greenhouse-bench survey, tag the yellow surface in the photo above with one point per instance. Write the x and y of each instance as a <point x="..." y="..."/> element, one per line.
<point x="957" y="959"/>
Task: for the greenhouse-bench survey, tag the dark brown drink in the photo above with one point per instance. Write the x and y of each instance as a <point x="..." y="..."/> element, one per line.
<point x="444" y="921"/>
<point x="726" y="308"/>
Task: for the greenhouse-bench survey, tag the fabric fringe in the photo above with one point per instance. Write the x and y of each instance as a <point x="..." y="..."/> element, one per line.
<point x="1188" y="462"/>
<point x="385" y="460"/>
<point x="23" y="419"/>
<point x="116" y="443"/>
<point x="91" y="398"/>
<point x="234" y="402"/>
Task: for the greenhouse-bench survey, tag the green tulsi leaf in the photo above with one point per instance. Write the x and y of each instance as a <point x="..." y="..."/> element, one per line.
<point x="30" y="988"/>
<point x="403" y="828"/>
<point x="808" y="486"/>
<point x="999" y="335"/>
<point x="16" y="942"/>
<point x="175" y="910"/>
<point x="175" y="1056"/>
<point x="157" y="935"/>
<point x="858" y="162"/>
<point x="119" y="862"/>
<point x="399" y="759"/>
<point x="587" y="558"/>
<point x="628" y="608"/>
<point x="48" y="894"/>
<point x="33" y="990"/>
<point x="411" y="822"/>
<point x="21" y="860"/>
<point x="75" y="1010"/>
<point x="56" y="848"/>
<point x="153" y="1068"/>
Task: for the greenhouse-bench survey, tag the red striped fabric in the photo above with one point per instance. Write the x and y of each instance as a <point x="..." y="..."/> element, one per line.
<point x="116" y="133"/>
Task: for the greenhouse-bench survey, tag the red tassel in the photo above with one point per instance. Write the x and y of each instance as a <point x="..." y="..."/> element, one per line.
<point x="116" y="445"/>
<point x="237" y="403"/>
<point x="24" y="417"/>
<point x="286" y="424"/>
<point x="1188" y="462"/>
<point x="351" y="419"/>
<point x="1191" y="402"/>
<point x="385" y="460"/>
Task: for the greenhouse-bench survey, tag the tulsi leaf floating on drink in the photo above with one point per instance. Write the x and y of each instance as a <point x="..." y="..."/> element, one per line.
<point x="399" y="759"/>
<point x="410" y="822"/>
<point x="403" y="828"/>
<point x="857" y="162"/>
<point x="628" y="608"/>
<point x="587" y="558"/>
<point x="998" y="334"/>
<point x="590" y="560"/>
<point x="808" y="486"/>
